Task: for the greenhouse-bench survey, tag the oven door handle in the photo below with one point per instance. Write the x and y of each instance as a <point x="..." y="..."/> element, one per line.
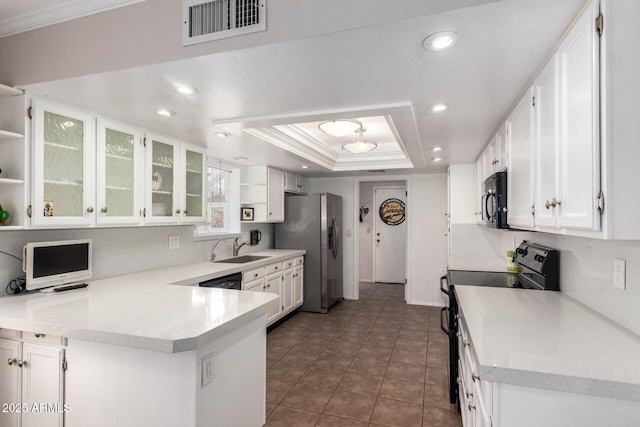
<point x="443" y="280"/>
<point x="445" y="330"/>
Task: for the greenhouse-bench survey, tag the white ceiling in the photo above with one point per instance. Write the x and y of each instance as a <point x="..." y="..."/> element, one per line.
<point x="375" y="70"/>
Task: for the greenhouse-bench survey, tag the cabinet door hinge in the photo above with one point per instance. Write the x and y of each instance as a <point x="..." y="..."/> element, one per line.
<point x="144" y="141"/>
<point x="406" y="194"/>
<point x="533" y="101"/>
<point x="30" y="112"/>
<point x="29" y="211"/>
<point x="600" y="24"/>
<point x="533" y="209"/>
<point x="405" y="281"/>
<point x="144" y="212"/>
<point x="600" y="202"/>
<point x="65" y="365"/>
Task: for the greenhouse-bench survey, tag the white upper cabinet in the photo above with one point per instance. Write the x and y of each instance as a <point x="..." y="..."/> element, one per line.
<point x="275" y="195"/>
<point x="194" y="182"/>
<point x="63" y="166"/>
<point x="163" y="175"/>
<point x="547" y="108"/>
<point x="521" y="161"/>
<point x="262" y="194"/>
<point x="120" y="179"/>
<point x="579" y="151"/>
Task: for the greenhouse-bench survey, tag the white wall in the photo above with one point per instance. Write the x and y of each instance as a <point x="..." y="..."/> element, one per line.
<point x="126" y="250"/>
<point x="366" y="242"/>
<point x="586" y="266"/>
<point x="426" y="232"/>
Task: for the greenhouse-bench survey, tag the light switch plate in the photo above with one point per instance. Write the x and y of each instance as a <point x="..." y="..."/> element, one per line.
<point x="208" y="369"/>
<point x="174" y="242"/>
<point x="619" y="273"/>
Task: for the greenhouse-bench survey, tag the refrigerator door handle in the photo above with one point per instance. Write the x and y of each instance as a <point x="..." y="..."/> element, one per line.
<point x="336" y="238"/>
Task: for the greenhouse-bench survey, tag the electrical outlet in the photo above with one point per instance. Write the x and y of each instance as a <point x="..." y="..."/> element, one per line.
<point x="174" y="242"/>
<point x="245" y="236"/>
<point x="619" y="273"/>
<point x="208" y="369"/>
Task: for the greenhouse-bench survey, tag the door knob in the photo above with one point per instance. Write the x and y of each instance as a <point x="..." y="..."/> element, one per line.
<point x="90" y="209"/>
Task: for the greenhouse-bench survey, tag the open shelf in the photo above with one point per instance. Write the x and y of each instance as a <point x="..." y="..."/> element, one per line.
<point x="11" y="181"/>
<point x="65" y="147"/>
<point x="11" y="227"/>
<point x="6" y="135"/>
<point x="8" y="91"/>
<point x="63" y="182"/>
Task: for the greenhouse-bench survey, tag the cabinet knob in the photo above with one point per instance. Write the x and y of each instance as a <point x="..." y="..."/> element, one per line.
<point x="466" y="343"/>
<point x="255" y="275"/>
<point x="37" y="335"/>
<point x="11" y="361"/>
<point x="474" y="377"/>
<point x="22" y="363"/>
<point x="264" y="287"/>
<point x="269" y="285"/>
<point x="186" y="211"/>
<point x="471" y="407"/>
<point x="177" y="211"/>
<point x="104" y="210"/>
<point x="90" y="209"/>
<point x="270" y="213"/>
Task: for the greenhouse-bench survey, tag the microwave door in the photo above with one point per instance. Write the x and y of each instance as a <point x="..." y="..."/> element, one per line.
<point x="490" y="207"/>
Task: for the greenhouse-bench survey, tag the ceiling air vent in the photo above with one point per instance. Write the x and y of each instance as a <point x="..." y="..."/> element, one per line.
<point x="219" y="19"/>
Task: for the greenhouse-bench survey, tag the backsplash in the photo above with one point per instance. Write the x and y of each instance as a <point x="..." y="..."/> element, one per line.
<point x="126" y="250"/>
<point x="586" y="266"/>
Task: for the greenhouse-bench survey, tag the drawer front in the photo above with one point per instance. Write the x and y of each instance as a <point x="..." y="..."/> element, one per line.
<point x="39" y="338"/>
<point x="9" y="333"/>
<point x="274" y="268"/>
<point x="289" y="263"/>
<point x="254" y="286"/>
<point x="299" y="260"/>
<point x="254" y="274"/>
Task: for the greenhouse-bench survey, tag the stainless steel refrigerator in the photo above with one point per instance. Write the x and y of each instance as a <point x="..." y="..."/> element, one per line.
<point x="314" y="223"/>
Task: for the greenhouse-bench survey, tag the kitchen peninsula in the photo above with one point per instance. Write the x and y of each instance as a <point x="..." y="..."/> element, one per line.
<point x="147" y="348"/>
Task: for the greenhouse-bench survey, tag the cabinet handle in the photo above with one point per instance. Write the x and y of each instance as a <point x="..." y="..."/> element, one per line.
<point x="471" y="407"/>
<point x="22" y="363"/>
<point x="90" y="209"/>
<point x="468" y="394"/>
<point x="466" y="343"/>
<point x="104" y="210"/>
<point x="177" y="211"/>
<point x="37" y="335"/>
<point x="474" y="377"/>
<point x="11" y="361"/>
<point x="553" y="203"/>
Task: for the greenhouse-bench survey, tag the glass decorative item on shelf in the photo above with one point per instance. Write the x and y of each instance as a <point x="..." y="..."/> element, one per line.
<point x="5" y="216"/>
<point x="63" y="164"/>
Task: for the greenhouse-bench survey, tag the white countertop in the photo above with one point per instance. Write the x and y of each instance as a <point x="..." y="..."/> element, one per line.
<point x="548" y="340"/>
<point x="145" y="310"/>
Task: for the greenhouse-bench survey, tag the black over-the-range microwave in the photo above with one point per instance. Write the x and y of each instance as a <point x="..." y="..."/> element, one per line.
<point x="494" y="201"/>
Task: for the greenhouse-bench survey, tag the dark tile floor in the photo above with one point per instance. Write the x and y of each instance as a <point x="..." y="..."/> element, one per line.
<point x="372" y="362"/>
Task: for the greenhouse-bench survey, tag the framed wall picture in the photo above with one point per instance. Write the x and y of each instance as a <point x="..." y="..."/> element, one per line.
<point x="246" y="214"/>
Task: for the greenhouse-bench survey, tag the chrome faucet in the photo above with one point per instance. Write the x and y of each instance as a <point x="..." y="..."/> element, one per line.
<point x="213" y="254"/>
<point x="237" y="247"/>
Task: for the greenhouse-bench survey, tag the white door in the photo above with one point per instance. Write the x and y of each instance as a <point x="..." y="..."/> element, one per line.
<point x="9" y="381"/>
<point x="390" y="235"/>
<point x="42" y="382"/>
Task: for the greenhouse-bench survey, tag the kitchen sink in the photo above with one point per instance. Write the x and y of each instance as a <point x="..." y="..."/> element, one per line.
<point x="242" y="259"/>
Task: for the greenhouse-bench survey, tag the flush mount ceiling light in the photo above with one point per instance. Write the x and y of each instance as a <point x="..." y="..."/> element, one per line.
<point x="438" y="108"/>
<point x="186" y="90"/>
<point x="239" y="158"/>
<point x="359" y="145"/>
<point x="165" y="113"/>
<point x="222" y="134"/>
<point x="439" y="42"/>
<point x="436" y="159"/>
<point x="304" y="167"/>
<point x="436" y="149"/>
<point x="340" y="127"/>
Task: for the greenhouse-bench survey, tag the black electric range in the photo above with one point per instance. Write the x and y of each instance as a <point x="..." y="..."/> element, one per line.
<point x="539" y="271"/>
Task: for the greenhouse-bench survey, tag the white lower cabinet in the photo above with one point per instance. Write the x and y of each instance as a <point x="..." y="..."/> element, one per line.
<point x="31" y="384"/>
<point x="273" y="283"/>
<point x="298" y="290"/>
<point x="284" y="279"/>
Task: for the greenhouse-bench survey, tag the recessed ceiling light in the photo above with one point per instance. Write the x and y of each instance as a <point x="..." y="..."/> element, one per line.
<point x="438" y="108"/>
<point x="240" y="158"/>
<point x="435" y="149"/>
<point x="436" y="159"/>
<point x="304" y="167"/>
<point x="340" y="127"/>
<point x="439" y="42"/>
<point x="186" y="90"/>
<point x="166" y="113"/>
<point x="222" y="134"/>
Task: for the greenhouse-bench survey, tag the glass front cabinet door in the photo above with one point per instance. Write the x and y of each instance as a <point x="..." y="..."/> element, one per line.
<point x="63" y="173"/>
<point x="163" y="174"/>
<point x="194" y="181"/>
<point x="119" y="174"/>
